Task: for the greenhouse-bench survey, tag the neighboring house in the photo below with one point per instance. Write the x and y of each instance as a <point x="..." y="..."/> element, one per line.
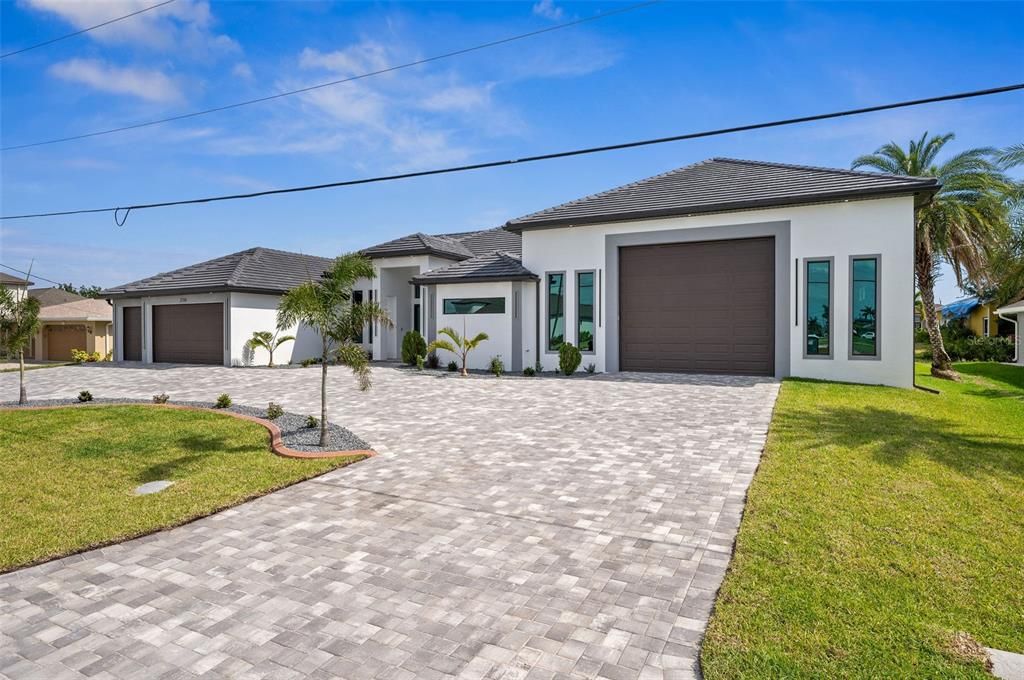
<point x="205" y="313"/>
<point x="1013" y="314"/>
<point x="724" y="266"/>
<point x="16" y="284"/>
<point x="977" y="316"/>
<point x="69" y="321"/>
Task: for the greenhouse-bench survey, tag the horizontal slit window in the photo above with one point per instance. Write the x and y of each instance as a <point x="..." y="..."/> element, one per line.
<point x="495" y="305"/>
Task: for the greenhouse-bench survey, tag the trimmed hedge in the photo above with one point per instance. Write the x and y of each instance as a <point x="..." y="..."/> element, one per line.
<point x="413" y="347"/>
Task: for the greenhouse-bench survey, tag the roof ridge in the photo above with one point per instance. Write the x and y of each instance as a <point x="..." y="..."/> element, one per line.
<point x="820" y="168"/>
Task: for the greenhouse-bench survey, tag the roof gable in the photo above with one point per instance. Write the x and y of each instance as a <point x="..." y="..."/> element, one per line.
<point x="494" y="266"/>
<point x="723" y="185"/>
<point x="456" y="246"/>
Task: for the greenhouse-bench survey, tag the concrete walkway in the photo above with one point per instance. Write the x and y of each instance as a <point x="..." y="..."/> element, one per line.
<point x="511" y="528"/>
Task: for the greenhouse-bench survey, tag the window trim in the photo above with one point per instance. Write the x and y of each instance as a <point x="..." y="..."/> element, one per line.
<point x="831" y="306"/>
<point x="877" y="356"/>
<point x="593" y="313"/>
<point x="547" y="315"/>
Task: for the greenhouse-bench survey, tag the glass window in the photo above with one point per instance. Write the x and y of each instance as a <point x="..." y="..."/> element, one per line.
<point x="357" y="299"/>
<point x="556" y="311"/>
<point x="474" y="305"/>
<point x="585" y="311"/>
<point x="864" y="307"/>
<point x="818" y="329"/>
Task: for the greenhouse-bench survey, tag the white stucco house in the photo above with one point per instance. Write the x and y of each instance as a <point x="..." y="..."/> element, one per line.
<point x="724" y="266"/>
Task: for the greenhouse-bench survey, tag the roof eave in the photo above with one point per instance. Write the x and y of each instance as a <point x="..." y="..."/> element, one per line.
<point x="198" y="290"/>
<point x="472" y="279"/>
<point x="739" y="206"/>
<point x="381" y="255"/>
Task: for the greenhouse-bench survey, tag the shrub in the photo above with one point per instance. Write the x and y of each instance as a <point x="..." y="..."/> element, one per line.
<point x="452" y="367"/>
<point x="223" y="401"/>
<point x="980" y="349"/>
<point x="529" y="372"/>
<point x="413" y="347"/>
<point x="79" y="355"/>
<point x="312" y="421"/>
<point x="497" y="366"/>
<point x="591" y="368"/>
<point x="569" y="358"/>
<point x="109" y="356"/>
<point x="433" y="361"/>
<point x="85" y="395"/>
<point x="95" y="356"/>
<point x="274" y="411"/>
<point x="420" y="362"/>
<point x="921" y="337"/>
<point x="160" y="398"/>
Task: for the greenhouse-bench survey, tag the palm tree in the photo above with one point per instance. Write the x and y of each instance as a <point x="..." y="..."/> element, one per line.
<point x="268" y="341"/>
<point x="458" y="344"/>
<point x="19" y="321"/>
<point x="325" y="305"/>
<point x="962" y="225"/>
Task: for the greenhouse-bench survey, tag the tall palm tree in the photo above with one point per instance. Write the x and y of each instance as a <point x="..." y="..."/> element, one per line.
<point x="325" y="305"/>
<point x="460" y="345"/>
<point x="19" y="321"/>
<point x="268" y="341"/>
<point x="962" y="225"/>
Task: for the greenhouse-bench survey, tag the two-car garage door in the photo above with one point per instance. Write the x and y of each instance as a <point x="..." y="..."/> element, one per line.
<point x="704" y="307"/>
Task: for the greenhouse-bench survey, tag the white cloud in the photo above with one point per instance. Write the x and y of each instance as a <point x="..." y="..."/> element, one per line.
<point x="458" y="98"/>
<point x="148" y="84"/>
<point x="242" y="70"/>
<point x="548" y="10"/>
<point x="185" y="24"/>
<point x="364" y="57"/>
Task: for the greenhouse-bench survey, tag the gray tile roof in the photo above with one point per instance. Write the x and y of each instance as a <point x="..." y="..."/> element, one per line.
<point x="9" y="280"/>
<point x="258" y="270"/>
<point x="458" y="246"/>
<point x="722" y="185"/>
<point x="494" y="266"/>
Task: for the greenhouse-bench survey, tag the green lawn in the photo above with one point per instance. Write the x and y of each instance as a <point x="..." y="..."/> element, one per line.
<point x="881" y="523"/>
<point x="67" y="475"/>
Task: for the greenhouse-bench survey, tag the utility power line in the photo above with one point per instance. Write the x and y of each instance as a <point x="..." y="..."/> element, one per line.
<point x="85" y="30"/>
<point x="25" y="273"/>
<point x="349" y="79"/>
<point x="530" y="159"/>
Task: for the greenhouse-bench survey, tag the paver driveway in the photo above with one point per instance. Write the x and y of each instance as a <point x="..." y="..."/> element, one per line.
<point x="511" y="528"/>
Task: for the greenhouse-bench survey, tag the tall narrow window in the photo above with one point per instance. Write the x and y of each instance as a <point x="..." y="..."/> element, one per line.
<point x="864" y="307"/>
<point x="357" y="299"/>
<point x="818" y="319"/>
<point x="556" y="311"/>
<point x="370" y="325"/>
<point x="416" y="309"/>
<point x="585" y="312"/>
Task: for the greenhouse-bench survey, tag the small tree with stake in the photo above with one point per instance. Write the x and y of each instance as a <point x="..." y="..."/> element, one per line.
<point x="325" y="305"/>
<point x="19" y="320"/>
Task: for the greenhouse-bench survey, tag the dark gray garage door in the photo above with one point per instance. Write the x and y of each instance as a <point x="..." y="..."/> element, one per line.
<point x="188" y="334"/>
<point x="706" y="307"/>
<point x="131" y="334"/>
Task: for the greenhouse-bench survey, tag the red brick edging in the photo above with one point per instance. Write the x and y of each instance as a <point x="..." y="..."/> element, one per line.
<point x="276" y="445"/>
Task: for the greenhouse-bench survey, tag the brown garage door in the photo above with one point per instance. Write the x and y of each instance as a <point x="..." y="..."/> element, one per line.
<point x="60" y="340"/>
<point x="188" y="334"/>
<point x="131" y="334"/>
<point x="706" y="307"/>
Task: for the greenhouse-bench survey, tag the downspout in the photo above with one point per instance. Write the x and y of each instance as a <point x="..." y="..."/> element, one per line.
<point x="536" y="323"/>
<point x="1016" y="335"/>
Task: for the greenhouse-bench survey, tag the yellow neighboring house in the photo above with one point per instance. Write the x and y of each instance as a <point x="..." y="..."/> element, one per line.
<point x="980" y="317"/>
<point x="69" y="321"/>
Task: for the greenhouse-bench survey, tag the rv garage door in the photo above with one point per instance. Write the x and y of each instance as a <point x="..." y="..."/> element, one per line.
<point x="704" y="307"/>
<point x="188" y="334"/>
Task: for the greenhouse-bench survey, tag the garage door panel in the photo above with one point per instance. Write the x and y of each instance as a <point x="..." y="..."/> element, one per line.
<point x="131" y="334"/>
<point x="698" y="307"/>
<point x="60" y="340"/>
<point x="189" y="334"/>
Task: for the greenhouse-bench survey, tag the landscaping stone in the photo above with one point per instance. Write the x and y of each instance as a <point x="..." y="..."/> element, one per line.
<point x="152" y="487"/>
<point x="507" y="528"/>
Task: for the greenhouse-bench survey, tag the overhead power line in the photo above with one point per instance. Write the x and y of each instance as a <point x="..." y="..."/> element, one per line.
<point x="21" y="271"/>
<point x="85" y="30"/>
<point x="348" y="79"/>
<point x="125" y="209"/>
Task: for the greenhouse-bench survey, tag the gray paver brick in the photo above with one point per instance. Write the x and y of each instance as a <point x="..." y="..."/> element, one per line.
<point x="508" y="528"/>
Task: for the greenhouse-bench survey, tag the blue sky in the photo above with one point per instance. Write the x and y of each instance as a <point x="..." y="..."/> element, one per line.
<point x="662" y="70"/>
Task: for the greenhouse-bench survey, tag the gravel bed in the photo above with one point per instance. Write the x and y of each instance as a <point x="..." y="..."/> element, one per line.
<point x="294" y="433"/>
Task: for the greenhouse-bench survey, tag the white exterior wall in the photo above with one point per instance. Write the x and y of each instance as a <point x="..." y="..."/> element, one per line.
<point x="497" y="326"/>
<point x="839" y="230"/>
<point x="251" y="312"/>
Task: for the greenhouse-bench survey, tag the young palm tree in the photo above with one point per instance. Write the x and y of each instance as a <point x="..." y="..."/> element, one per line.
<point x="19" y="320"/>
<point x="962" y="225"/>
<point x="325" y="305"/>
<point x="268" y="341"/>
<point x="458" y="344"/>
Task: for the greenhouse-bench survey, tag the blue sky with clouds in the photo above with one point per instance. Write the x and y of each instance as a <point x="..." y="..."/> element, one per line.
<point x="666" y="69"/>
